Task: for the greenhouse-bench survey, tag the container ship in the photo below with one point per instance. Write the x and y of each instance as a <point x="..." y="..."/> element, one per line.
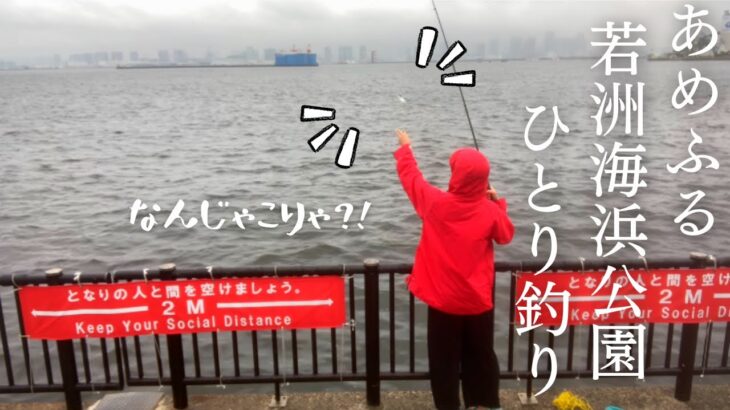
<point x="296" y="58"/>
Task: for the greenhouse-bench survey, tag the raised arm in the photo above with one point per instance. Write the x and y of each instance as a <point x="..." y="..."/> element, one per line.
<point x="419" y="191"/>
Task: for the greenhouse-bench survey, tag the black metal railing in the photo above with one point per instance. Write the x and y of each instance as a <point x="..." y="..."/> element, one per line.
<point x="337" y="354"/>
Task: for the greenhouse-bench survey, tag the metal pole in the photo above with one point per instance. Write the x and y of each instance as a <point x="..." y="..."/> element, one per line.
<point x="527" y="398"/>
<point x="177" y="371"/>
<point x="70" y="378"/>
<point x="175" y="353"/>
<point x="687" y="348"/>
<point x="688" y="341"/>
<point x="530" y="354"/>
<point x="372" y="332"/>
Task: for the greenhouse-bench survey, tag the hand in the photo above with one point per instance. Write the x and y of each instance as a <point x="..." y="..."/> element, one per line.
<point x="403" y="137"/>
<point x="492" y="193"/>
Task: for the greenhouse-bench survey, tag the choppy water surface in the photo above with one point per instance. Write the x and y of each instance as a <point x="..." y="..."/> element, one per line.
<point x="78" y="147"/>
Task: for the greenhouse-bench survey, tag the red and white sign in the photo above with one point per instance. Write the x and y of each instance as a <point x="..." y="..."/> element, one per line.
<point x="671" y="296"/>
<point x="176" y="307"/>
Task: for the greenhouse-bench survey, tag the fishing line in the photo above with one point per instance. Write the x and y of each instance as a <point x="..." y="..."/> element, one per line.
<point x="453" y="68"/>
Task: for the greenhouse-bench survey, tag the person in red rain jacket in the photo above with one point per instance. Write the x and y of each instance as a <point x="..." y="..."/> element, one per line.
<point x="453" y="273"/>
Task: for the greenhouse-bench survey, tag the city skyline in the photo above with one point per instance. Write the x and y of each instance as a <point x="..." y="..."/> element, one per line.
<point x="45" y="28"/>
<point x="549" y="45"/>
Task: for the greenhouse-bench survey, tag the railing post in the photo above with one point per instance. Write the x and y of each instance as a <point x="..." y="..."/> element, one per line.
<point x="372" y="332"/>
<point x="175" y="354"/>
<point x="528" y="398"/>
<point x="66" y="358"/>
<point x="177" y="371"/>
<point x="688" y="343"/>
<point x="687" y="349"/>
<point x="69" y="376"/>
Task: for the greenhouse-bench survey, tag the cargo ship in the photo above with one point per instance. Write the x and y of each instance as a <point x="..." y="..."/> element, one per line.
<point x="296" y="58"/>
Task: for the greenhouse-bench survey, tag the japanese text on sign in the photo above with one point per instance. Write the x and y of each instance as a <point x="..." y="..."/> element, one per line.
<point x="577" y="298"/>
<point x="176" y="307"/>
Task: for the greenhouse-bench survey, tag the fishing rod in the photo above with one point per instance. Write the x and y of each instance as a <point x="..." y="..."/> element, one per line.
<point x="453" y="67"/>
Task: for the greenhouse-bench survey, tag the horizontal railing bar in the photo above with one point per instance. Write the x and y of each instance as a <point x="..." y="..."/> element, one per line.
<point x="43" y="388"/>
<point x="600" y="264"/>
<point x="563" y="374"/>
<point x="149" y="381"/>
<point x="712" y="370"/>
<point x="274" y="379"/>
<point x="403" y="375"/>
<point x="37" y="388"/>
<point x="647" y="372"/>
<point x="208" y="380"/>
<point x="100" y="386"/>
<point x="522" y="374"/>
<point x="38" y="277"/>
<point x="56" y="388"/>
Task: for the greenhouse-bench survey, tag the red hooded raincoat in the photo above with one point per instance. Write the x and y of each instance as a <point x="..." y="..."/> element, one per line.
<point x="454" y="266"/>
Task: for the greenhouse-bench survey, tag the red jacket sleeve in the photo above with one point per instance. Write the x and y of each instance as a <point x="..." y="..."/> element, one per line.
<point x="419" y="191"/>
<point x="503" y="230"/>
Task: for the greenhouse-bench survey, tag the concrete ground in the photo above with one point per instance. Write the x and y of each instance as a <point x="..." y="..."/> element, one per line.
<point x="709" y="397"/>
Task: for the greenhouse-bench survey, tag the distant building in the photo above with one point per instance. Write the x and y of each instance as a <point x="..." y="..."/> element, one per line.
<point x="551" y="49"/>
<point x="363" y="55"/>
<point x="345" y="54"/>
<point x="515" y="48"/>
<point x="576" y="46"/>
<point x="494" y="51"/>
<point x="580" y="45"/>
<point x="7" y="65"/>
<point x="101" y="58"/>
<point x="269" y="54"/>
<point x="251" y="54"/>
<point x="179" y="56"/>
<point x="530" y="48"/>
<point x="327" y="55"/>
<point x="133" y="56"/>
<point x="84" y="59"/>
<point x="117" y="56"/>
<point x="408" y="54"/>
<point x="480" y="52"/>
<point x="163" y="56"/>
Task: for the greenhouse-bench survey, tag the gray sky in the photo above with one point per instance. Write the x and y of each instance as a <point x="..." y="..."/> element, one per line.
<point x="43" y="27"/>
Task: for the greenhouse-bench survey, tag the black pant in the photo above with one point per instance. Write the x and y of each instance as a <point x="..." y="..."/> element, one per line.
<point x="462" y="344"/>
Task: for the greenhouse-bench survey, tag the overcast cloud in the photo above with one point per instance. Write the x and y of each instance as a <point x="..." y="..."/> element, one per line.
<point x="42" y="27"/>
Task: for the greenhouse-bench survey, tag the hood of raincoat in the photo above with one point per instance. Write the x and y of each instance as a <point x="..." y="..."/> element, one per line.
<point x="469" y="173"/>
